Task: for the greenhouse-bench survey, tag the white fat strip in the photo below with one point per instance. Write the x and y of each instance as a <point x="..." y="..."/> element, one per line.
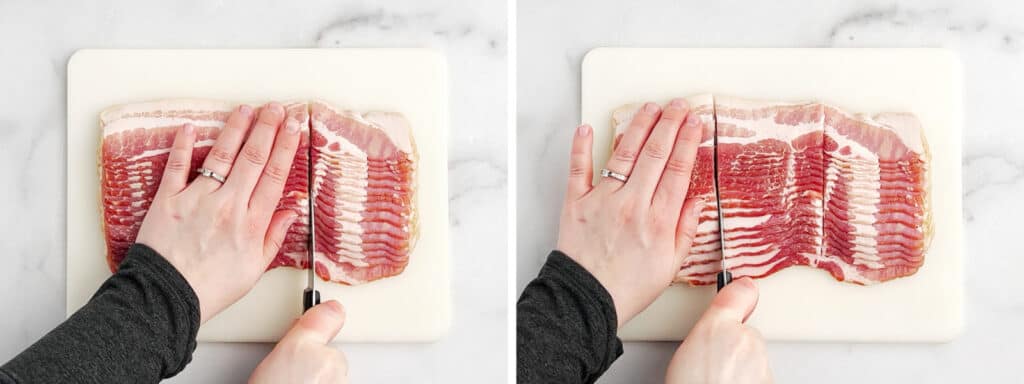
<point x="733" y="222"/>
<point x="906" y="126"/>
<point x="349" y="186"/>
<point x="765" y="127"/>
<point x="160" y="151"/>
<point x="394" y="125"/>
<point x="336" y="271"/>
<point x="861" y="172"/>
<point x="734" y="248"/>
<point x="124" y="124"/>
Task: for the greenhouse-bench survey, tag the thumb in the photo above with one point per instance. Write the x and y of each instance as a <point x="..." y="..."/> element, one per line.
<point x="734" y="303"/>
<point x="319" y="324"/>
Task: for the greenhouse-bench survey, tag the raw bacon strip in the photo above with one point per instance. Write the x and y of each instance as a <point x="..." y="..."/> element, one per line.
<point x="705" y="247"/>
<point x="364" y="185"/>
<point x="878" y="223"/>
<point x="809" y="184"/>
<point x="135" y="145"/>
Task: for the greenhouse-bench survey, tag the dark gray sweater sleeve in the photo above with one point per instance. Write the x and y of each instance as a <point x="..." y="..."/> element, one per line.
<point x="565" y="326"/>
<point x="139" y="327"/>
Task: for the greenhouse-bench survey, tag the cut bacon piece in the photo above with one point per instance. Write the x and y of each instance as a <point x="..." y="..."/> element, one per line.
<point x="808" y="184"/>
<point x="770" y="174"/>
<point x="364" y="185"/>
<point x="136" y="142"/>
<point x="878" y="221"/>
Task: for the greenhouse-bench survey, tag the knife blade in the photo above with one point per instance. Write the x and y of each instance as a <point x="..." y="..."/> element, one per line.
<point x="724" y="277"/>
<point x="310" y="296"/>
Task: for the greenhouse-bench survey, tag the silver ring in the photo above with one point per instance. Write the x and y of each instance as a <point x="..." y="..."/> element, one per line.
<point x="605" y="172"/>
<point x="211" y="174"/>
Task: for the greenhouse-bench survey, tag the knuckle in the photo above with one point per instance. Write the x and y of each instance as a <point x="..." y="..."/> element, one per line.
<point x="254" y="155"/>
<point x="176" y="165"/>
<point x="688" y="140"/>
<point x="624" y="154"/>
<point x="222" y="155"/>
<point x="577" y="170"/>
<point x="275" y="172"/>
<point x="628" y="214"/>
<point x="679" y="166"/>
<point x="655" y="150"/>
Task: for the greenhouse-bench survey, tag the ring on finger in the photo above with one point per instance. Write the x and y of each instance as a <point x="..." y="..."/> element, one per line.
<point x="211" y="174"/>
<point x="605" y="172"/>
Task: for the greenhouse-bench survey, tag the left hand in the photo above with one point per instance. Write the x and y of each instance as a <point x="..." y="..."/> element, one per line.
<point x="221" y="237"/>
<point x="633" y="236"/>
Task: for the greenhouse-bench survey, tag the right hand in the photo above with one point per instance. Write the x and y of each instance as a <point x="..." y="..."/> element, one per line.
<point x="721" y="348"/>
<point x="633" y="236"/>
<point x="302" y="355"/>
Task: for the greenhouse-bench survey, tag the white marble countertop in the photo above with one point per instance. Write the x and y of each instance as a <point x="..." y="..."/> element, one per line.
<point x="989" y="35"/>
<point x="37" y="39"/>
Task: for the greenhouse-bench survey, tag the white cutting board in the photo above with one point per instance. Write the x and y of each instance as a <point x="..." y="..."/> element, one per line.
<point x="411" y="307"/>
<point x="801" y="303"/>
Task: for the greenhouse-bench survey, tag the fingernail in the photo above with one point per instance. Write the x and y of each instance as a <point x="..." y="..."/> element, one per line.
<point x="335" y="307"/>
<point x="677" y="103"/>
<point x="245" y="109"/>
<point x="584" y="130"/>
<point x="651" y="108"/>
<point x="691" y="121"/>
<point x="275" y="106"/>
<point x="292" y="126"/>
<point x="188" y="129"/>
<point x="299" y="116"/>
<point x="745" y="283"/>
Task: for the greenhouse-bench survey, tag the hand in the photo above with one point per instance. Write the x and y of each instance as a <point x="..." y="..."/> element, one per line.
<point x="303" y="355"/>
<point x="222" y="237"/>
<point x="720" y="348"/>
<point x="633" y="236"/>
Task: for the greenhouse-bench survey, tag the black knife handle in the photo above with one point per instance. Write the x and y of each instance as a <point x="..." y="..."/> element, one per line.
<point x="310" y="297"/>
<point x="724" y="278"/>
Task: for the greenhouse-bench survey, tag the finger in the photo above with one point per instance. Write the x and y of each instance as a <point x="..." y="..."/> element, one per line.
<point x="179" y="162"/>
<point x="656" y="150"/>
<point x="319" y="324"/>
<point x="270" y="185"/>
<point x="734" y="303"/>
<point x="625" y="153"/>
<point x="276" y="231"/>
<point x="581" y="166"/>
<point x="255" y="153"/>
<point x="675" y="180"/>
<point x="686" y="229"/>
<point x="223" y="153"/>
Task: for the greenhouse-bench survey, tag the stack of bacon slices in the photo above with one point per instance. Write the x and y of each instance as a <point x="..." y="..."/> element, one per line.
<point x="806" y="184"/>
<point x="364" y="168"/>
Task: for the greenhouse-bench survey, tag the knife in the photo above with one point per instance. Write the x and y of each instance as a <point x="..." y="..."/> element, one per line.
<point x="724" y="276"/>
<point x="310" y="296"/>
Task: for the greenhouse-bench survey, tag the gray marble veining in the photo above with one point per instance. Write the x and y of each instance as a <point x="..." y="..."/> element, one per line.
<point x="38" y="37"/>
<point x="554" y="36"/>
